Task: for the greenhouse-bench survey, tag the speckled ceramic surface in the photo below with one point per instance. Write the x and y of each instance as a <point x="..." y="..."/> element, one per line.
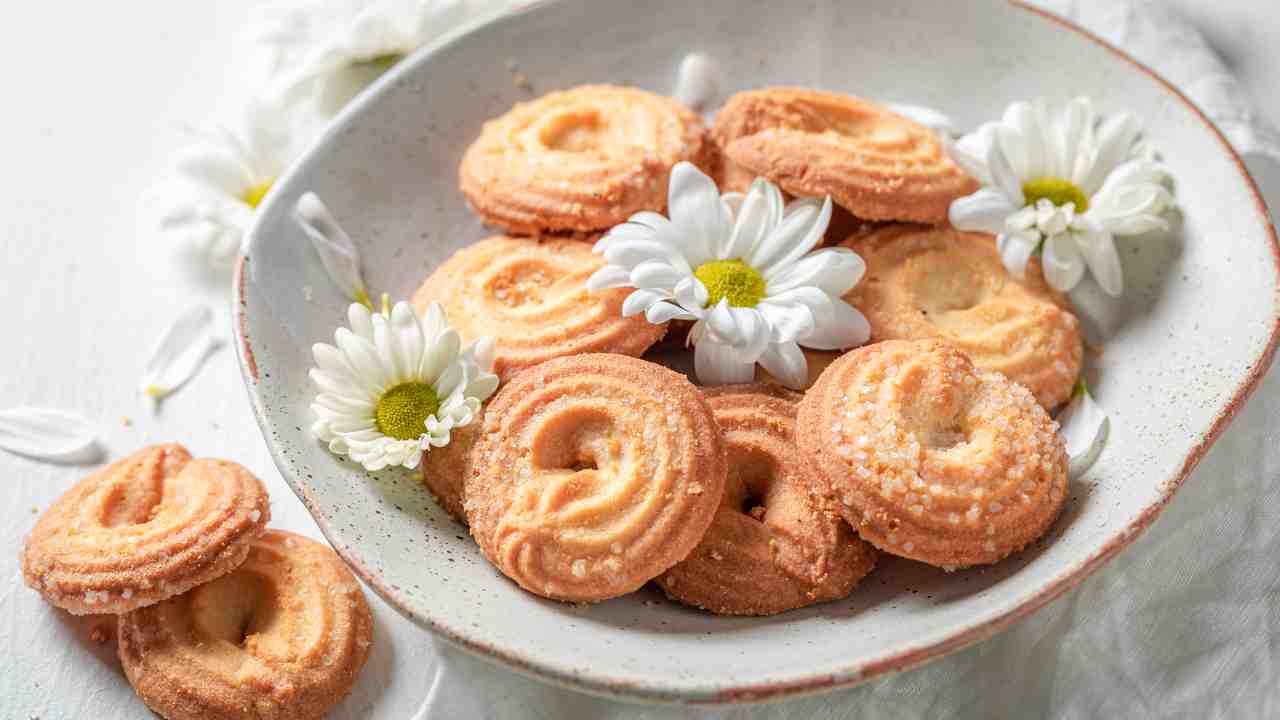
<point x="1180" y="351"/>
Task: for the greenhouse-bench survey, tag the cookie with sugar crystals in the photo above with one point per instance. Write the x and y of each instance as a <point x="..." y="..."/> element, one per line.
<point x="582" y="159"/>
<point x="143" y="529"/>
<point x="774" y="545"/>
<point x="530" y="295"/>
<point x="283" y="637"/>
<point x="874" y="163"/>
<point x="931" y="458"/>
<point x="924" y="282"/>
<point x="594" y="474"/>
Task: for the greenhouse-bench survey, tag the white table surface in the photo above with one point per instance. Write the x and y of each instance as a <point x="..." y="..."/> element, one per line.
<point x="94" y="92"/>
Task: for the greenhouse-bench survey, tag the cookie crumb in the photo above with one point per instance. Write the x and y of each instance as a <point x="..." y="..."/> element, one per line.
<point x="520" y="81"/>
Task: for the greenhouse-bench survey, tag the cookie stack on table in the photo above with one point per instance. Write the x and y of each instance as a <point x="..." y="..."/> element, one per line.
<point x="217" y="616"/>
<point x="594" y="471"/>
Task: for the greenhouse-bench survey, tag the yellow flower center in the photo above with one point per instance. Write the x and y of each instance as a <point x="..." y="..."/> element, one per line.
<point x="735" y="280"/>
<point x="1055" y="190"/>
<point x="253" y="196"/>
<point x="403" y="410"/>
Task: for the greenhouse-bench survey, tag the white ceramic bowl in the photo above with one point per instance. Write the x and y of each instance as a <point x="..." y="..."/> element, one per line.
<point x="1183" y="348"/>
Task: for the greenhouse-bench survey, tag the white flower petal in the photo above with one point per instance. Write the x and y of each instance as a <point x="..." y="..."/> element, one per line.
<point x="753" y="333"/>
<point x="662" y="312"/>
<point x="655" y="275"/>
<point x="1016" y="249"/>
<point x="761" y="211"/>
<point x="801" y="229"/>
<point x="337" y="252"/>
<point x="986" y="210"/>
<point x="787" y="321"/>
<point x="1002" y="176"/>
<point x="482" y="353"/>
<point x="835" y="271"/>
<point x="439" y="357"/>
<point x="697" y="82"/>
<point x="47" y="434"/>
<point x="718" y="364"/>
<point x="970" y="153"/>
<point x="693" y="204"/>
<point x="839" y="327"/>
<point x="732" y="202"/>
<point x="1132" y="209"/>
<point x="360" y="320"/>
<point x="926" y="116"/>
<point x="609" y="276"/>
<point x="332" y="361"/>
<point x="1021" y="134"/>
<point x="1099" y="252"/>
<point x="1061" y="262"/>
<point x="1024" y="219"/>
<point x="640" y="300"/>
<point x="787" y="364"/>
<point x="692" y="295"/>
<point x="1075" y="129"/>
<point x="1116" y="136"/>
<point x="180" y="353"/>
<point x="721" y="322"/>
<point x="362" y="354"/>
<point x="1083" y="426"/>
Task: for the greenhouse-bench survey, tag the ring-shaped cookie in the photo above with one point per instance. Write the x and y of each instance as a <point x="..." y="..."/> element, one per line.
<point x="280" y="638"/>
<point x="941" y="283"/>
<point x="582" y="159"/>
<point x="876" y="164"/>
<point x="145" y="528"/>
<point x="593" y="475"/>
<point x="531" y="297"/>
<point x="773" y="545"/>
<point x="931" y="458"/>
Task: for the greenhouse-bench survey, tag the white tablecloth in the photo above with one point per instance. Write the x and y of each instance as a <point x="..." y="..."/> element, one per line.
<point x="1185" y="622"/>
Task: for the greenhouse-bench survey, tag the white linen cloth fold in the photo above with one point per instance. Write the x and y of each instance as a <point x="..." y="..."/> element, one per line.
<point x="1185" y="623"/>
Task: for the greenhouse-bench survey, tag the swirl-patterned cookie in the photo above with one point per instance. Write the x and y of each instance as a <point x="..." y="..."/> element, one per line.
<point x="582" y="159"/>
<point x="931" y="458"/>
<point x="594" y="474"/>
<point x="773" y="544"/>
<point x="940" y="283"/>
<point x="531" y="297"/>
<point x="445" y="469"/>
<point x="874" y="163"/>
<point x="283" y="637"/>
<point x="143" y="529"/>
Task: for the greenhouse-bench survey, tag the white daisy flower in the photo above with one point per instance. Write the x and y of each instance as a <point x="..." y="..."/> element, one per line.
<point x="222" y="178"/>
<point x="740" y="266"/>
<point x="1064" y="183"/>
<point x="326" y="51"/>
<point x="396" y="385"/>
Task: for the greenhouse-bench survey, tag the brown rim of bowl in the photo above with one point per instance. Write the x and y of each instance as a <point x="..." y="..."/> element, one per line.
<point x="845" y="677"/>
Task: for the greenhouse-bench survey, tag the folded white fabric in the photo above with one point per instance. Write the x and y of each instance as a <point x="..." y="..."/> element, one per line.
<point x="1158" y="36"/>
<point x="1183" y="624"/>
